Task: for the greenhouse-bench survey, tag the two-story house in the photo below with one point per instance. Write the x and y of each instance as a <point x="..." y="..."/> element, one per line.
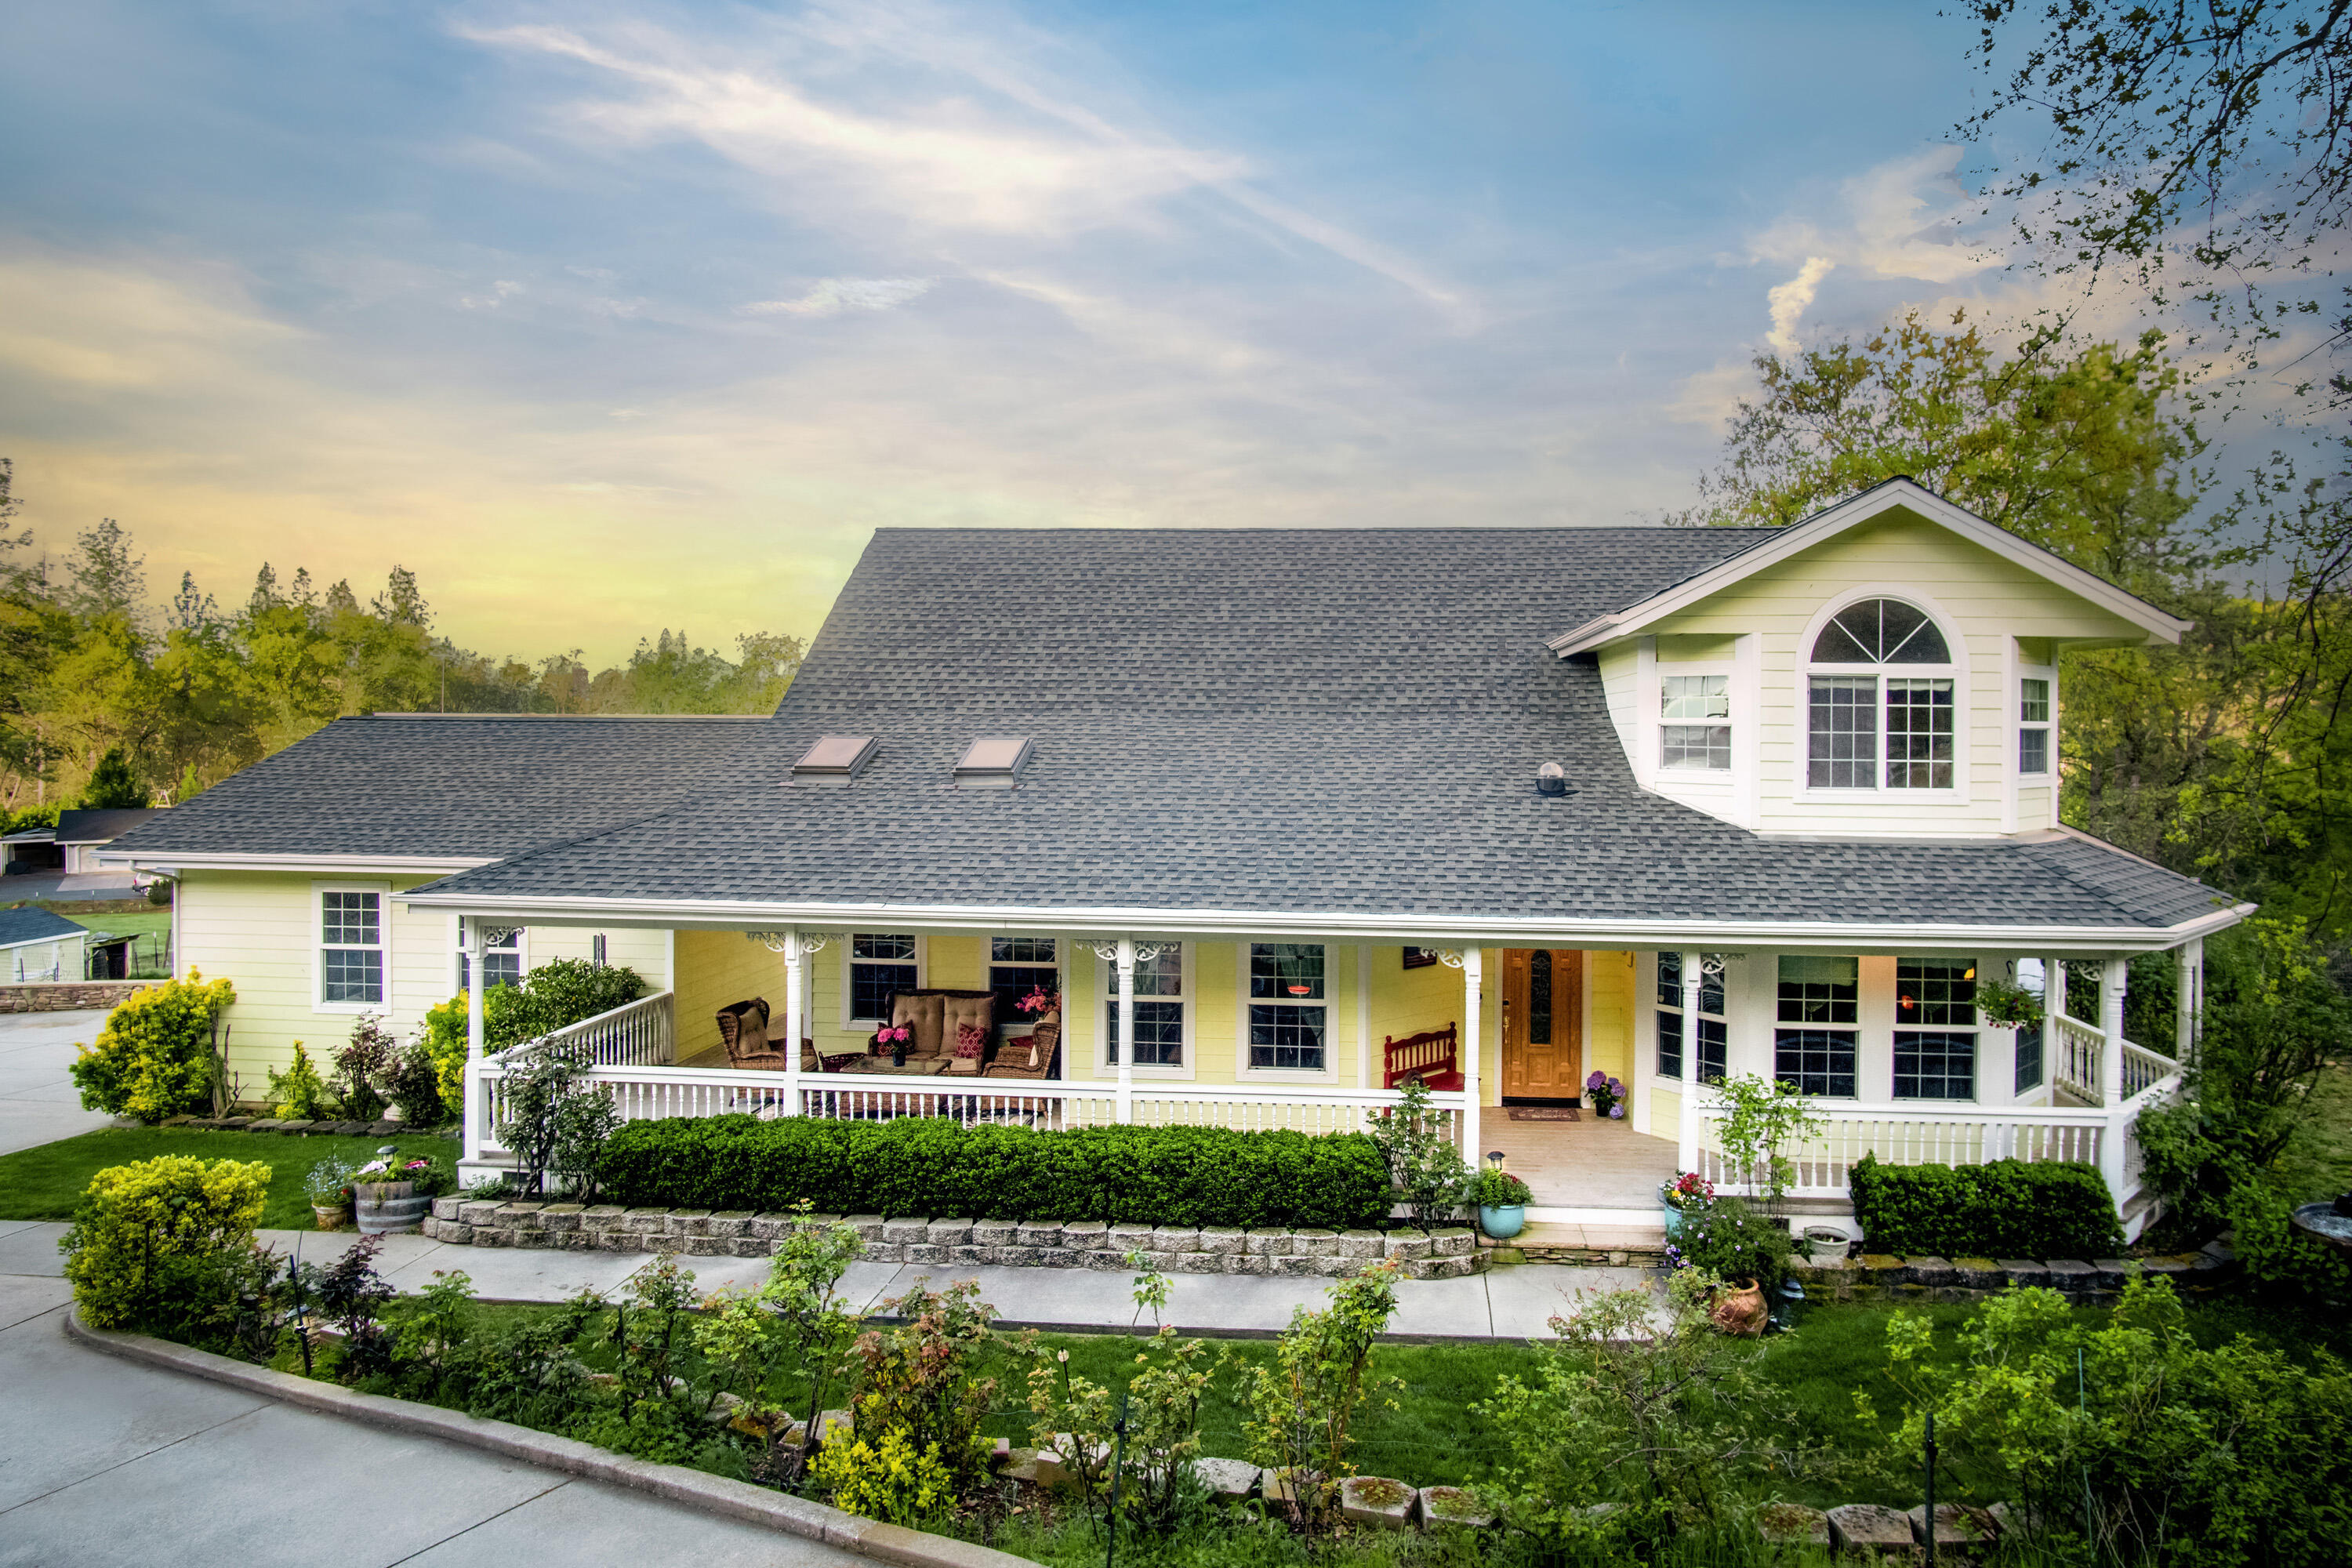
<point x="1298" y="812"/>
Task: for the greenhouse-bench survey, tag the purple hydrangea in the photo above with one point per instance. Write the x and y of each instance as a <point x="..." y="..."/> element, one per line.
<point x="1616" y="1113"/>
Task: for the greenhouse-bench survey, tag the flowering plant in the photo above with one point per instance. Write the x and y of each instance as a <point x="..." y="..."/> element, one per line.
<point x="1607" y="1094"/>
<point x="1039" y="1002"/>
<point x="893" y="1034"/>
<point x="1688" y="1191"/>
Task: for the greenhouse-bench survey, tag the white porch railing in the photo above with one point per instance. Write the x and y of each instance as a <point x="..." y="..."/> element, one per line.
<point x="2075" y="1070"/>
<point x="642" y="1033"/>
<point x="642" y="1092"/>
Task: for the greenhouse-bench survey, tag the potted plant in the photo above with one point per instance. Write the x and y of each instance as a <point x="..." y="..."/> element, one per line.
<point x="1502" y="1200"/>
<point x="1824" y="1244"/>
<point x="1684" y="1195"/>
<point x="329" y="1188"/>
<point x="1607" y="1095"/>
<point x="892" y="1041"/>
<point x="2007" y="1007"/>
<point x="393" y="1195"/>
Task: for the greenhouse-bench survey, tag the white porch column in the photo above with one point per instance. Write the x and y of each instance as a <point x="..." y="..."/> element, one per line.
<point x="475" y="1133"/>
<point x="795" y="1018"/>
<point x="2189" y="960"/>
<point x="2053" y="994"/>
<point x="2112" y="1138"/>
<point x="1474" y="971"/>
<point x="1694" y="981"/>
<point x="1126" y="1029"/>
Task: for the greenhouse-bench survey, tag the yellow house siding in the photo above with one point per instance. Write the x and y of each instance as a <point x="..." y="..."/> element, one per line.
<point x="717" y="969"/>
<point x="1609" y="1015"/>
<point x="1664" y="1116"/>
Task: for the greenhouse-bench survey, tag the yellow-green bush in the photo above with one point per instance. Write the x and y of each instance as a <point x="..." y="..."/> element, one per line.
<point x="887" y="1481"/>
<point x="155" y="1057"/>
<point x="445" y="1042"/>
<point x="172" y="1231"/>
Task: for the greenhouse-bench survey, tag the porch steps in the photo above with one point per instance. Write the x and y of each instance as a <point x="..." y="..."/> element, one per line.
<point x="1619" y="1243"/>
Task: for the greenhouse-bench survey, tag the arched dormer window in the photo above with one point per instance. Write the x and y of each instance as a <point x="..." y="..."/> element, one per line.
<point x="1880" y="702"/>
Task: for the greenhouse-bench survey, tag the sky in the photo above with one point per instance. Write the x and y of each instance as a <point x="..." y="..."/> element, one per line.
<point x="610" y="319"/>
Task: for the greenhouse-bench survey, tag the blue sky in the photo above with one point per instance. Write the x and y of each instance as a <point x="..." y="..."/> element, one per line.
<point x="605" y="318"/>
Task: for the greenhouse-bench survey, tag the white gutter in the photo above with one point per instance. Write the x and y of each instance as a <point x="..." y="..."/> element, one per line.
<point x="337" y="865"/>
<point x="1431" y="930"/>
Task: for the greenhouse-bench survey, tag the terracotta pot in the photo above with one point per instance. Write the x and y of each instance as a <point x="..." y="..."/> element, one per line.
<point x="332" y="1218"/>
<point x="1740" y="1311"/>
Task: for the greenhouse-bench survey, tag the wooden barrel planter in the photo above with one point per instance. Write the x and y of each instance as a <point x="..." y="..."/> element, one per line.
<point x="386" y="1207"/>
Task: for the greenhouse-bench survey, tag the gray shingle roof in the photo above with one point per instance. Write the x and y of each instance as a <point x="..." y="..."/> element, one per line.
<point x="31" y="924"/>
<point x="1278" y="721"/>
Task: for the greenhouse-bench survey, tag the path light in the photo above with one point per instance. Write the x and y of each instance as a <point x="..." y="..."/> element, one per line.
<point x="1493" y="1159"/>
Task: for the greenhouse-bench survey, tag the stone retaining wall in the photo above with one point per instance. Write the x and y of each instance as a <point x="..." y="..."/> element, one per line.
<point x="68" y="995"/>
<point x="1879" y="1277"/>
<point x="958" y="1243"/>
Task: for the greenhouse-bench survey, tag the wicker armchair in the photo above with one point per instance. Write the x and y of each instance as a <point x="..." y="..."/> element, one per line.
<point x="1040" y="1056"/>
<point x="743" y="1031"/>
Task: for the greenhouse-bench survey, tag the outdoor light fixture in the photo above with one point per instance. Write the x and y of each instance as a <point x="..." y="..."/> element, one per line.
<point x="1552" y="779"/>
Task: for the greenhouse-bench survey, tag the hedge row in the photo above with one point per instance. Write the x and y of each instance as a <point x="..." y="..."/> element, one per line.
<point x="2009" y="1208"/>
<point x="917" y="1166"/>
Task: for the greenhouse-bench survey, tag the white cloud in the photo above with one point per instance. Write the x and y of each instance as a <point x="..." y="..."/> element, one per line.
<point x="1906" y="218"/>
<point x="1789" y="300"/>
<point x="833" y="296"/>
<point x="504" y="290"/>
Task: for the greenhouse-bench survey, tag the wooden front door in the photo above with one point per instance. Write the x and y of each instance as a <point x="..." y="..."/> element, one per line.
<point x="1543" y="1024"/>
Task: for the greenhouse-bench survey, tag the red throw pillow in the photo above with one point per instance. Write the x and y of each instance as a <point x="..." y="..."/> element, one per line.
<point x="970" y="1040"/>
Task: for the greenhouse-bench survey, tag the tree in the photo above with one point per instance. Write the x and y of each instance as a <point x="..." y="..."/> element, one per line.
<point x="113" y="784"/>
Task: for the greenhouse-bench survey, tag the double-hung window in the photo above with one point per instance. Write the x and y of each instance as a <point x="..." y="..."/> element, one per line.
<point x="1674" y="1028"/>
<point x="1694" y="723"/>
<point x="1814" y="1043"/>
<point x="1935" y="1028"/>
<point x="2034" y="727"/>
<point x="878" y="964"/>
<point x="350" y="948"/>
<point x="1289" y="1014"/>
<point x="501" y="961"/>
<point x="1869" y="727"/>
<point x="1018" y="965"/>
<point x="1158" y="1010"/>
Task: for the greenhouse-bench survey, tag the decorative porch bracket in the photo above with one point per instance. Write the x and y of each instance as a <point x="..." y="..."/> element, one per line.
<point x="795" y="946"/>
<point x="1124" y="953"/>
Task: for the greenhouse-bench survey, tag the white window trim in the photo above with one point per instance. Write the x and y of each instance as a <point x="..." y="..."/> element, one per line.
<point x="1976" y="1030"/>
<point x="1328" y="1002"/>
<point x="458" y="952"/>
<point x="1729" y="673"/>
<point x="2017" y="725"/>
<point x="1801" y="789"/>
<point x="317" y="915"/>
<point x="1107" y="991"/>
<point x="988" y="961"/>
<point x="848" y="956"/>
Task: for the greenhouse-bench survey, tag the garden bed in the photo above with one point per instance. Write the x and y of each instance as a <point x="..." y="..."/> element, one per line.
<point x="46" y="1182"/>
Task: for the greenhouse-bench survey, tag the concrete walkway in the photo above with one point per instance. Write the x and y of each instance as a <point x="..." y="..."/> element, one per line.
<point x="105" y="1462"/>
<point x="39" y="1101"/>
<point x="1513" y="1304"/>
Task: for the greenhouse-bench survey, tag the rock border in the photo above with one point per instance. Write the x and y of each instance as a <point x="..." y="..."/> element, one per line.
<point x="958" y="1243"/>
<point x="710" y="1494"/>
<point x="327" y="1129"/>
<point x="1877" y="1276"/>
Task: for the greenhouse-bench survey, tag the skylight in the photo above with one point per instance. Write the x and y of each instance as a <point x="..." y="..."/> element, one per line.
<point x="993" y="762"/>
<point x="834" y="760"/>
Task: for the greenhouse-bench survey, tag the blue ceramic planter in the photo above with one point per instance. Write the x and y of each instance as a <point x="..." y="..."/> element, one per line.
<point x="1503" y="1223"/>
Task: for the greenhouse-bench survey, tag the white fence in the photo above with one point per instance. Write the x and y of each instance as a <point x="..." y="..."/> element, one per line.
<point x="642" y="1033"/>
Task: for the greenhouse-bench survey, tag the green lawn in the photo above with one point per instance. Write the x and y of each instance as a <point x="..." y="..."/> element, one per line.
<point x="46" y="1182"/>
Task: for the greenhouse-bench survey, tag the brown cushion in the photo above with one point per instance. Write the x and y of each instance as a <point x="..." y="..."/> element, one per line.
<point x="960" y="1064"/>
<point x="927" y="1015"/>
<point x="978" y="1011"/>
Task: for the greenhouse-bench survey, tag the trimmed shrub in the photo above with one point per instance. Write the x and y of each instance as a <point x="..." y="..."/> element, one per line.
<point x="931" y="1168"/>
<point x="2009" y="1208"/>
<point x="444" y="1044"/>
<point x="550" y="996"/>
<point x="155" y="1057"/>
<point x="170" y="1236"/>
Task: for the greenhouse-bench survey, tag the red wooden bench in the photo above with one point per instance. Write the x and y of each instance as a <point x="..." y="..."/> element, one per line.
<point x="1431" y="1056"/>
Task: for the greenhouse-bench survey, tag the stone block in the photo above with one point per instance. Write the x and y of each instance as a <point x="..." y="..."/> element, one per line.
<point x="707" y="1247"/>
<point x="1086" y="1236"/>
<point x="1245" y="1263"/>
<point x="1175" y="1238"/>
<point x="2023" y="1272"/>
<point x="994" y="1233"/>
<point x="1453" y="1506"/>
<point x="1792" y="1524"/>
<point x="266" y="1124"/>
<point x="1407" y="1244"/>
<point x="1460" y="1268"/>
<point x="1377" y="1502"/>
<point x="886" y="1252"/>
<point x="906" y="1232"/>
<point x="1106" y="1262"/>
<point x="1018" y="1257"/>
<point x="647" y="1222"/>
<point x="492" y="1236"/>
<point x="1316" y="1243"/>
<point x="560" y="1216"/>
<point x="1227" y="1480"/>
<point x="970" y="1256"/>
<point x="1201" y="1262"/>
<point x="1163" y="1262"/>
<point x="1269" y="1243"/>
<point x="519" y="1216"/>
<point x="1460" y="1242"/>
<point x="2071" y="1275"/>
<point x="1959" y="1529"/>
<point x="1293" y="1265"/>
<point x="1331" y="1266"/>
<point x="2112" y="1272"/>
<point x="619" y="1241"/>
<point x="771" y="1225"/>
<point x="353" y="1129"/>
<point x="447" y="1208"/>
<point x="1929" y="1272"/>
<point x="731" y="1224"/>
<point x="1223" y="1240"/>
<point x="924" y="1252"/>
<point x="457" y="1233"/>
<point x="689" y="1221"/>
<point x="869" y="1227"/>
<point x="1866" y="1530"/>
<point x="1039" y="1233"/>
<point x="602" y="1215"/>
<point x="1130" y="1237"/>
<point x="745" y="1246"/>
<point x="948" y="1232"/>
<point x="1359" y="1245"/>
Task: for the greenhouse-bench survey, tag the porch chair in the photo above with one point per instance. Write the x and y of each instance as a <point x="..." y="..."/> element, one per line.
<point x="743" y="1031"/>
<point x="1039" y="1056"/>
<point x="1433" y="1055"/>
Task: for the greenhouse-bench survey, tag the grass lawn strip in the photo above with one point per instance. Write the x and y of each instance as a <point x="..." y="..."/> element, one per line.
<point x="47" y="1182"/>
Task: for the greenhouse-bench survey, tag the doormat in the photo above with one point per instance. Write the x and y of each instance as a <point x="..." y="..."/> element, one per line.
<point x="1544" y="1114"/>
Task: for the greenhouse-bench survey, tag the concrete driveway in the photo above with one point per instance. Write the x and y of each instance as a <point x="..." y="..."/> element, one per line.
<point x="105" y="1462"/>
<point x="38" y="1102"/>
